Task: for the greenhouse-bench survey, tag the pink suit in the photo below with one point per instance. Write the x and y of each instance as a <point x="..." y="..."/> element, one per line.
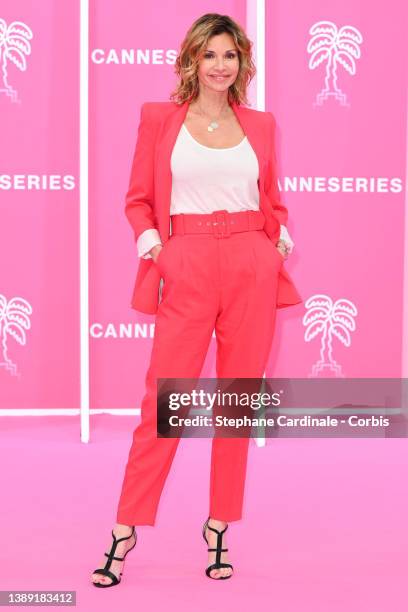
<point x="232" y="284"/>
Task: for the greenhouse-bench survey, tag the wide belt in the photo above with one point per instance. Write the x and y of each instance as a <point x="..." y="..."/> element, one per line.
<point x="220" y="223"/>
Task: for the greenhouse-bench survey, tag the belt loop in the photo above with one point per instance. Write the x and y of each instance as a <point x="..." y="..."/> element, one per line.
<point x="182" y="228"/>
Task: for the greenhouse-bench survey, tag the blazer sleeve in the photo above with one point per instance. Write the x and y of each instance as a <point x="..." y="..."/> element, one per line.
<point x="271" y="180"/>
<point x="140" y="194"/>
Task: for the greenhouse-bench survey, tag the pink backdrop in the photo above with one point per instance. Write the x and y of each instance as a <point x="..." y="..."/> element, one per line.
<point x="39" y="248"/>
<point x="349" y="243"/>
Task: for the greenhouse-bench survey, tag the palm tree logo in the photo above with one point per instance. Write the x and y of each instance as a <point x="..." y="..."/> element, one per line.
<point x="331" y="320"/>
<point x="333" y="46"/>
<point x="14" y="320"/>
<point x="14" y="46"/>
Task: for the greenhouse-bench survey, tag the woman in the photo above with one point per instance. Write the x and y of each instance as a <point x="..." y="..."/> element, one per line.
<point x="205" y="166"/>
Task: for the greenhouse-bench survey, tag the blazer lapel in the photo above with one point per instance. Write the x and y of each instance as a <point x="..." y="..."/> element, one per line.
<point x="167" y="139"/>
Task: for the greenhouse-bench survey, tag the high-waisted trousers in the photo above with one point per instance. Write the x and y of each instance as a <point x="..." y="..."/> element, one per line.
<point x="224" y="283"/>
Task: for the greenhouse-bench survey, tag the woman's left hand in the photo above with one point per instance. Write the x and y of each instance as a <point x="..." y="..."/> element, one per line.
<point x="282" y="248"/>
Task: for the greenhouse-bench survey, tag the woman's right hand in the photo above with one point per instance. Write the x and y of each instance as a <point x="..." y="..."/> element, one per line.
<point x="154" y="252"/>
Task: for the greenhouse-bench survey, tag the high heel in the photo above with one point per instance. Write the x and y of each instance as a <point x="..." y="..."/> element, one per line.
<point x="218" y="551"/>
<point x="111" y="556"/>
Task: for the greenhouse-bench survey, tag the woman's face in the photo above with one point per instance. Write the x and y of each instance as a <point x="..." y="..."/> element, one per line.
<point x="219" y="63"/>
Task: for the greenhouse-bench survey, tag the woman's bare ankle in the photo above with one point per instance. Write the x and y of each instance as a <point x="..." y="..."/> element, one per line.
<point x="217" y="524"/>
<point x="122" y="530"/>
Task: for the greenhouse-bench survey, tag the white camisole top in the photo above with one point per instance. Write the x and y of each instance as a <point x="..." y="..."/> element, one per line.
<point x="205" y="179"/>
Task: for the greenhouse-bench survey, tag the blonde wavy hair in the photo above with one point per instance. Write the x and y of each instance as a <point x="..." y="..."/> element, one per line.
<point x="195" y="43"/>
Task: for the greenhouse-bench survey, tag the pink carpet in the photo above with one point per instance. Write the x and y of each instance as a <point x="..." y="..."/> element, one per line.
<point x="325" y="522"/>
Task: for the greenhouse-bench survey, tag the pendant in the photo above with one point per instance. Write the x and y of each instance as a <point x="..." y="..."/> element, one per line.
<point x="213" y="126"/>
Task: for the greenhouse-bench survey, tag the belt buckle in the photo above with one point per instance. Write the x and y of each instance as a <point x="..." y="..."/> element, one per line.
<point x="220" y="225"/>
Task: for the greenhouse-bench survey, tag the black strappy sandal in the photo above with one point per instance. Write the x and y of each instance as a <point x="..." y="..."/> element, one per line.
<point x="218" y="550"/>
<point x="111" y="556"/>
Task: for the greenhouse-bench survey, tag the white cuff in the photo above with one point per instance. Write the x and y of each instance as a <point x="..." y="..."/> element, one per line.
<point x="284" y="235"/>
<point x="146" y="241"/>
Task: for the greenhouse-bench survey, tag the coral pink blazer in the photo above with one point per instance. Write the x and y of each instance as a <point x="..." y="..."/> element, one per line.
<point x="149" y="193"/>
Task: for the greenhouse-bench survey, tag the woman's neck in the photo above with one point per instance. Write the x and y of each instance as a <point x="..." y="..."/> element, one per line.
<point x="212" y="105"/>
